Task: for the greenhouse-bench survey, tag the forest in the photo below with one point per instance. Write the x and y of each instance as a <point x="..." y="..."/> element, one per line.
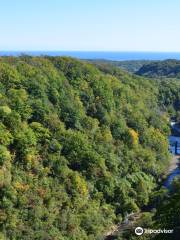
<point x="131" y="66"/>
<point x="82" y="146"/>
<point x="167" y="68"/>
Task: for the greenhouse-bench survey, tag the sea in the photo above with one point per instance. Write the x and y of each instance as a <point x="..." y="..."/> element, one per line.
<point x="103" y="55"/>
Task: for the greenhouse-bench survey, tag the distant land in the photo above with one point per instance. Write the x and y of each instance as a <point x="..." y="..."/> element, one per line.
<point x="114" y="56"/>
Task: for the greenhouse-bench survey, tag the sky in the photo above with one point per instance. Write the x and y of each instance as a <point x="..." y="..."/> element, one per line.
<point x="90" y="25"/>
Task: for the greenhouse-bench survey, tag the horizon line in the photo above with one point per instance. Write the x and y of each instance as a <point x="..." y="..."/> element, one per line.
<point x="114" y="51"/>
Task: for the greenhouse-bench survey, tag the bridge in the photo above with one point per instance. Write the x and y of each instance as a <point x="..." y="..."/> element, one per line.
<point x="175" y="147"/>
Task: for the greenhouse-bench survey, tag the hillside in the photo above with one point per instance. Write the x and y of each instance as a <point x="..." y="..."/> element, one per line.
<point x="79" y="148"/>
<point x="130" y="66"/>
<point x="168" y="68"/>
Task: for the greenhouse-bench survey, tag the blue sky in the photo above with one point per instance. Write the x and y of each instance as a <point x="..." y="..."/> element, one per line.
<point x="105" y="25"/>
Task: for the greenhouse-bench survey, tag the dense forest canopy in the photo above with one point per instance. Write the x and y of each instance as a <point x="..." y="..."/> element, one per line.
<point x="166" y="73"/>
<point x="80" y="147"/>
<point x="167" y="68"/>
<point x="168" y="85"/>
<point x="131" y="66"/>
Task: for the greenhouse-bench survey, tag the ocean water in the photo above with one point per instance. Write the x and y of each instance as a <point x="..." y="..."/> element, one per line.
<point x="115" y="56"/>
